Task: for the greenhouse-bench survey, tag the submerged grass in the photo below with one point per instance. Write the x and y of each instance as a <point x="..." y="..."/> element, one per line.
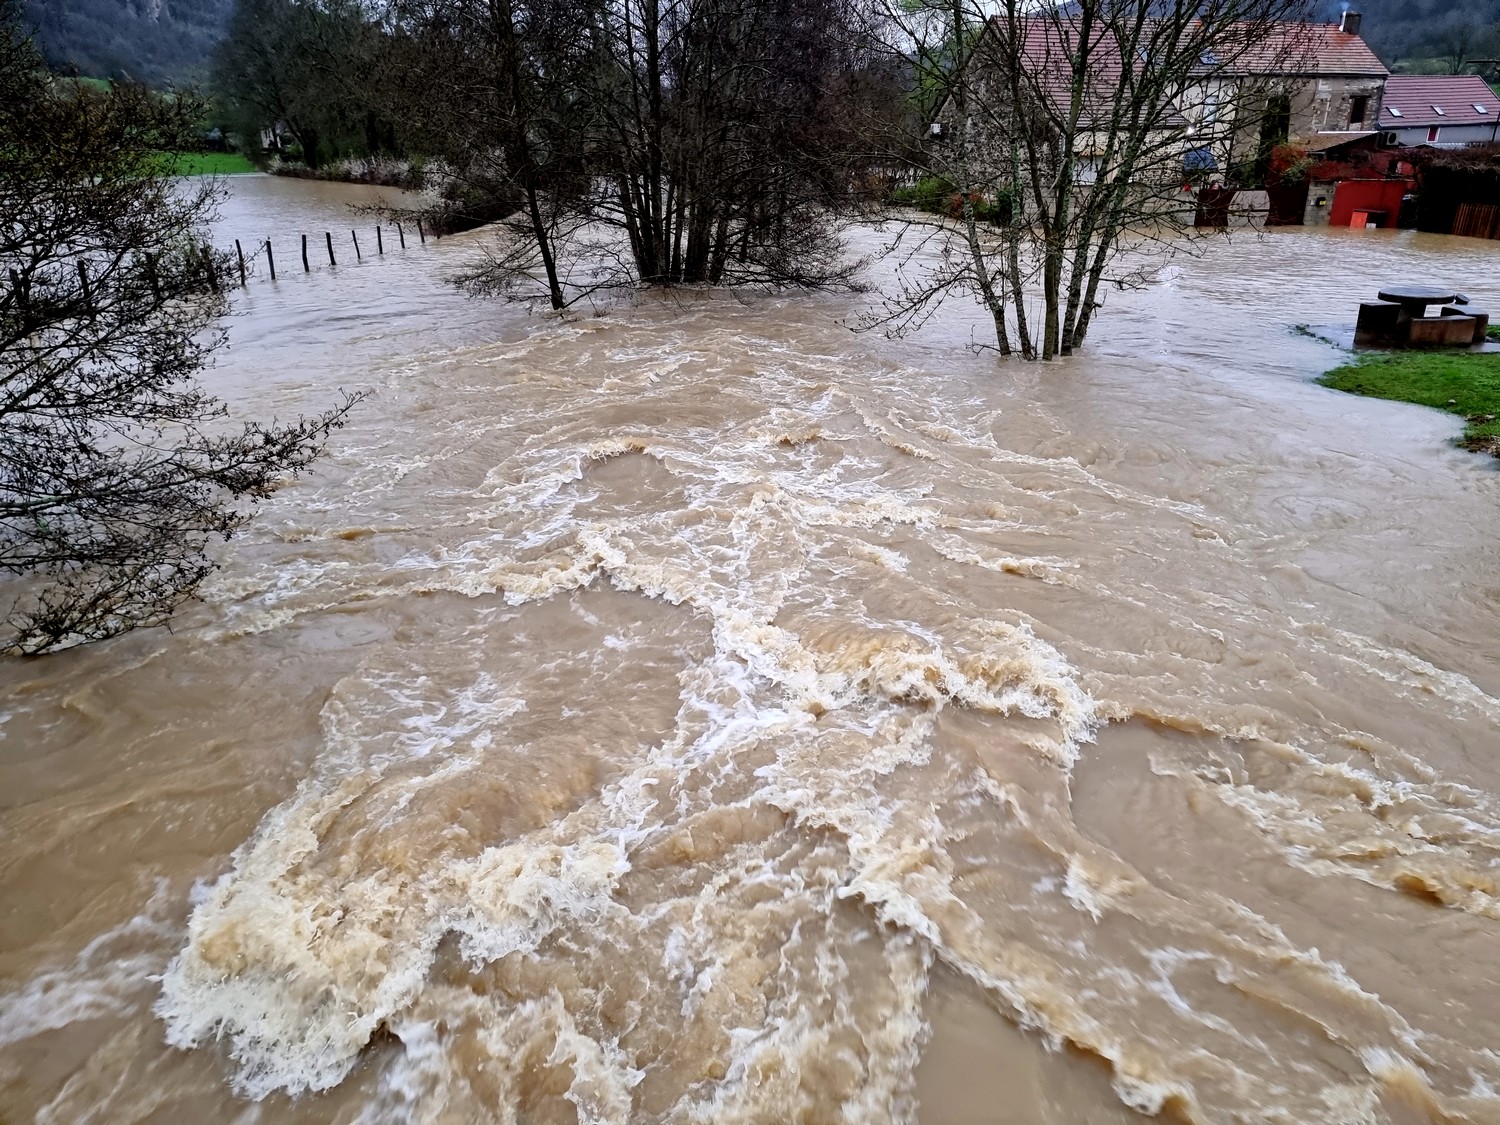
<point x="211" y="164"/>
<point x="1462" y="383"/>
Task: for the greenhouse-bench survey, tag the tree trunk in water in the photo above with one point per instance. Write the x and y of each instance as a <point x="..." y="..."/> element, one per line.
<point x="1051" y="285"/>
<point x="1091" y="294"/>
<point x="721" y="250"/>
<point x="632" y="227"/>
<point x="1013" y="254"/>
<point x="993" y="301"/>
<point x="544" y="244"/>
<point x="660" y="223"/>
<point x="978" y="260"/>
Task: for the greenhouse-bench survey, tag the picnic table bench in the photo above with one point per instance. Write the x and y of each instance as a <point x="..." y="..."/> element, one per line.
<point x="1400" y="318"/>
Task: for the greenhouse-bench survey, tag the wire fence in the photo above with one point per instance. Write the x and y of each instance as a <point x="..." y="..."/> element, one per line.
<point x="307" y="254"/>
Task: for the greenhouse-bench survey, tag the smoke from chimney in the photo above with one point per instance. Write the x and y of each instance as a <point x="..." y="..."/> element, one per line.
<point x="1349" y="22"/>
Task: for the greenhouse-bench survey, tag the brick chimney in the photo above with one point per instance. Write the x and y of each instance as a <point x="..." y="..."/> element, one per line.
<point x="1349" y="23"/>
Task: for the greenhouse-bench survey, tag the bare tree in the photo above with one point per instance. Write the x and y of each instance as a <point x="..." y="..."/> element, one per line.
<point x="1464" y="42"/>
<point x="116" y="469"/>
<point x="727" y="122"/>
<point x="494" y="90"/>
<point x="1070" y="134"/>
<point x="657" y="142"/>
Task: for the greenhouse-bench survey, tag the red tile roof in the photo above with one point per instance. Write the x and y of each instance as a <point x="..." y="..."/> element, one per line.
<point x="1048" y="47"/>
<point x="1282" y="48"/>
<point x="1300" y="49"/>
<point x="1415" y="95"/>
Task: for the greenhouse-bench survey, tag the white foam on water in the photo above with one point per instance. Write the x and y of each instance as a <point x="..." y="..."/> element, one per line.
<point x="107" y="977"/>
<point x="737" y="921"/>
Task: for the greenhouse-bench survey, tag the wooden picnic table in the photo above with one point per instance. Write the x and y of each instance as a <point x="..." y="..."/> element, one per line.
<point x="1416" y="298"/>
<point x="1400" y="317"/>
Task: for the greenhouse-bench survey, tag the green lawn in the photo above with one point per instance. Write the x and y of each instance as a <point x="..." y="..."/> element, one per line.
<point x="212" y="164"/>
<point x="1462" y="383"/>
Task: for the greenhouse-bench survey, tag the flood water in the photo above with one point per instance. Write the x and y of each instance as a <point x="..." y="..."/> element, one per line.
<point x="704" y="713"/>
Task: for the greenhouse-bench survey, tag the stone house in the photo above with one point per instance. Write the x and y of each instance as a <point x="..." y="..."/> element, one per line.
<point x="1300" y="80"/>
<point x="1043" y="49"/>
<point x="1288" y="80"/>
<point x="1442" y="110"/>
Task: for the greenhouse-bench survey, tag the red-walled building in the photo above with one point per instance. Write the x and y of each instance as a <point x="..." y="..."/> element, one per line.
<point x="1341" y="180"/>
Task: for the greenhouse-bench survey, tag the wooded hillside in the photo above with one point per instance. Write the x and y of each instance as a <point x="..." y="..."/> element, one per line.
<point x="165" y="41"/>
<point x="1428" y="35"/>
<point x="159" y="42"/>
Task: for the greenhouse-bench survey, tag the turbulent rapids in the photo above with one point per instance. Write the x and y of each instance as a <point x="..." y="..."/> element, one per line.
<point x="702" y="713"/>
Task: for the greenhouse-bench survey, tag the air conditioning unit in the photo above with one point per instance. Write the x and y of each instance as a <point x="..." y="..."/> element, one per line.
<point x="1390" y="138"/>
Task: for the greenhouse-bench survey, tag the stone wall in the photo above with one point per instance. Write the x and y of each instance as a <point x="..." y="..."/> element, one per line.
<point x="1316" y="213"/>
<point x="1318" y="105"/>
<point x="1322" y="105"/>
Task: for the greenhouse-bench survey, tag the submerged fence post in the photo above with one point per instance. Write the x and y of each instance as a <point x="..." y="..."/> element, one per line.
<point x="152" y="278"/>
<point x="270" y="259"/>
<point x="358" y="257"/>
<point x="328" y="234"/>
<point x="379" y="242"/>
<point x="305" y="267"/>
<point x="420" y="231"/>
<point x="401" y="234"/>
<point x="240" y="254"/>
<point x="83" y="280"/>
<point x="210" y="267"/>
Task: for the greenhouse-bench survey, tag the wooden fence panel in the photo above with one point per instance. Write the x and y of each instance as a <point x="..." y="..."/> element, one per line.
<point x="1477" y="220"/>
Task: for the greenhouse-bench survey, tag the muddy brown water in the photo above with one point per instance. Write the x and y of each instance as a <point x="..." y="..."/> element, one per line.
<point x="701" y="712"/>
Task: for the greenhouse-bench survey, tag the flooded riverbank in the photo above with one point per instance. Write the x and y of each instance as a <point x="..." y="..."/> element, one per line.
<point x="701" y="712"/>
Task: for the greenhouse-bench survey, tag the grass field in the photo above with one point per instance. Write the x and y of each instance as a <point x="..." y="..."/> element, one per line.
<point x="1462" y="383"/>
<point x="186" y="163"/>
<point x="212" y="164"/>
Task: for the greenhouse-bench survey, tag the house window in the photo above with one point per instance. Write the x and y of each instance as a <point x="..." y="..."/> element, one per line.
<point x="1432" y="132"/>
<point x="1086" y="170"/>
<point x="1357" y="107"/>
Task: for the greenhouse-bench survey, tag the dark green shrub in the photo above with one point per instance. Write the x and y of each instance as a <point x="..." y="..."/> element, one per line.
<point x="940" y="196"/>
